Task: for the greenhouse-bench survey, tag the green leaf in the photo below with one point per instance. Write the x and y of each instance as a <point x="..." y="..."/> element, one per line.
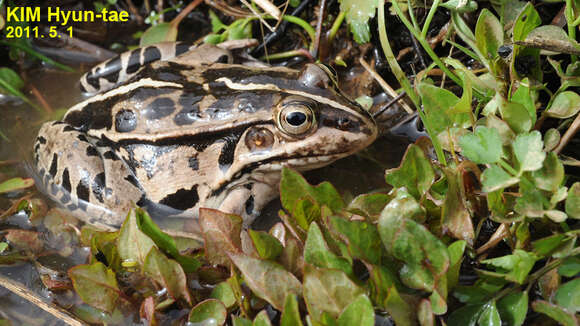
<point x="359" y="312"/>
<point x="551" y="139"/>
<point x="439" y="107"/>
<point x="168" y="274"/>
<point x="267" y="246"/>
<point x="328" y="290"/>
<point x="517" y="116"/>
<point x="224" y="293"/>
<point x="568" y="295"/>
<point x="495" y="178"/>
<point x="466" y="316"/>
<point x="488" y="34"/>
<point x="317" y="253"/>
<point x="385" y="294"/>
<point x="531" y="202"/>
<point x="565" y="105"/>
<point x="133" y="245"/>
<point x="293" y="187"/>
<point x="513" y="308"/>
<point x="240" y="31"/>
<point x="484" y="146"/>
<point x="362" y="239"/>
<point x="291" y="313"/>
<point x="573" y="201"/>
<point x="528" y="149"/>
<point x="266" y="279"/>
<point x="516" y="266"/>
<point x="553" y="311"/>
<point x="357" y="15"/>
<point x="16" y="184"/>
<point x="306" y="211"/>
<point x="10" y="77"/>
<point x="570" y="267"/>
<point x="163" y="32"/>
<point x="489" y="315"/>
<point x="524" y="96"/>
<point x="551" y="175"/>
<point x="96" y="285"/>
<point x="505" y="133"/>
<point x="455" y="250"/>
<point x="239" y="321"/>
<point x="424" y="256"/>
<point x="369" y="205"/>
<point x="415" y="172"/>
<point x="527" y="20"/>
<point x="456" y="217"/>
<point x="262" y="319"/>
<point x="216" y="23"/>
<point x="546" y="246"/>
<point x="208" y="312"/>
<point x="165" y="242"/>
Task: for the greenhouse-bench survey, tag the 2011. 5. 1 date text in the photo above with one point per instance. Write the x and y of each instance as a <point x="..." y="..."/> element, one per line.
<point x="34" y="32"/>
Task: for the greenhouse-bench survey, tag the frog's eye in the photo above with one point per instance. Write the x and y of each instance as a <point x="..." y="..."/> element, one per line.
<point x="296" y="118"/>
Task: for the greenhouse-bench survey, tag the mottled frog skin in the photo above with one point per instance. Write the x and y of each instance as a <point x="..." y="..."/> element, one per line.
<point x="174" y="128"/>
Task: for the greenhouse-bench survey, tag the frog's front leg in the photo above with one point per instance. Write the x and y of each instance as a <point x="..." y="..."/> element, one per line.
<point x="122" y="67"/>
<point x="248" y="200"/>
<point x="89" y="180"/>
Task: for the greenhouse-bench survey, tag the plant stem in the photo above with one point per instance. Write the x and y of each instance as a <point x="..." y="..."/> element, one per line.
<point x="430" y="15"/>
<point x="425" y="44"/>
<point x="302" y="23"/>
<point x="335" y="26"/>
<point x="402" y="78"/>
<point x="569" y="13"/>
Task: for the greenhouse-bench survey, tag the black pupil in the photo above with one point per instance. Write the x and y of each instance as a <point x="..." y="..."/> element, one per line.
<point x="296" y="118"/>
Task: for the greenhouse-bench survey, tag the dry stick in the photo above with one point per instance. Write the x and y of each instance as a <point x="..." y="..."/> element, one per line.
<point x="386" y="87"/>
<point x="41" y="99"/>
<point x="257" y="14"/>
<point x="160" y="10"/>
<point x="185" y="12"/>
<point x="269" y="7"/>
<point x="38" y="301"/>
<point x="501" y="233"/>
<point x="572" y="130"/>
<point x="321" y="13"/>
<point x="135" y="12"/>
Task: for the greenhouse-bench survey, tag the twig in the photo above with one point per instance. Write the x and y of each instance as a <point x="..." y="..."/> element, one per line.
<point x="185" y="12"/>
<point x="135" y="12"/>
<point x="269" y="7"/>
<point x="418" y="52"/>
<point x="496" y="237"/>
<point x="321" y="12"/>
<point x="279" y="31"/>
<point x="41" y="99"/>
<point x="38" y="301"/>
<point x="389" y="104"/>
<point x="257" y="14"/>
<point x="386" y="87"/>
<point x="572" y="130"/>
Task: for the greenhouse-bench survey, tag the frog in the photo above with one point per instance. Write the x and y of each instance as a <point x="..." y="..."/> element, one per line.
<point x="173" y="128"/>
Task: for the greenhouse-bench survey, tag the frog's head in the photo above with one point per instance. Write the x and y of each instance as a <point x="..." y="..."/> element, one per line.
<point x="313" y="125"/>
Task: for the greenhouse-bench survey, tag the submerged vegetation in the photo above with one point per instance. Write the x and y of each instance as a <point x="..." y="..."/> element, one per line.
<point x="479" y="227"/>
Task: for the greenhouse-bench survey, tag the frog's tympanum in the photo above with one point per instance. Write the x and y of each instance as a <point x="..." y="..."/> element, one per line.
<point x="173" y="129"/>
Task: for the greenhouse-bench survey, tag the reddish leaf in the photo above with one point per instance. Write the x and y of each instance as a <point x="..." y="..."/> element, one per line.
<point x="221" y="233"/>
<point x="167" y="273"/>
<point x="96" y="285"/>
